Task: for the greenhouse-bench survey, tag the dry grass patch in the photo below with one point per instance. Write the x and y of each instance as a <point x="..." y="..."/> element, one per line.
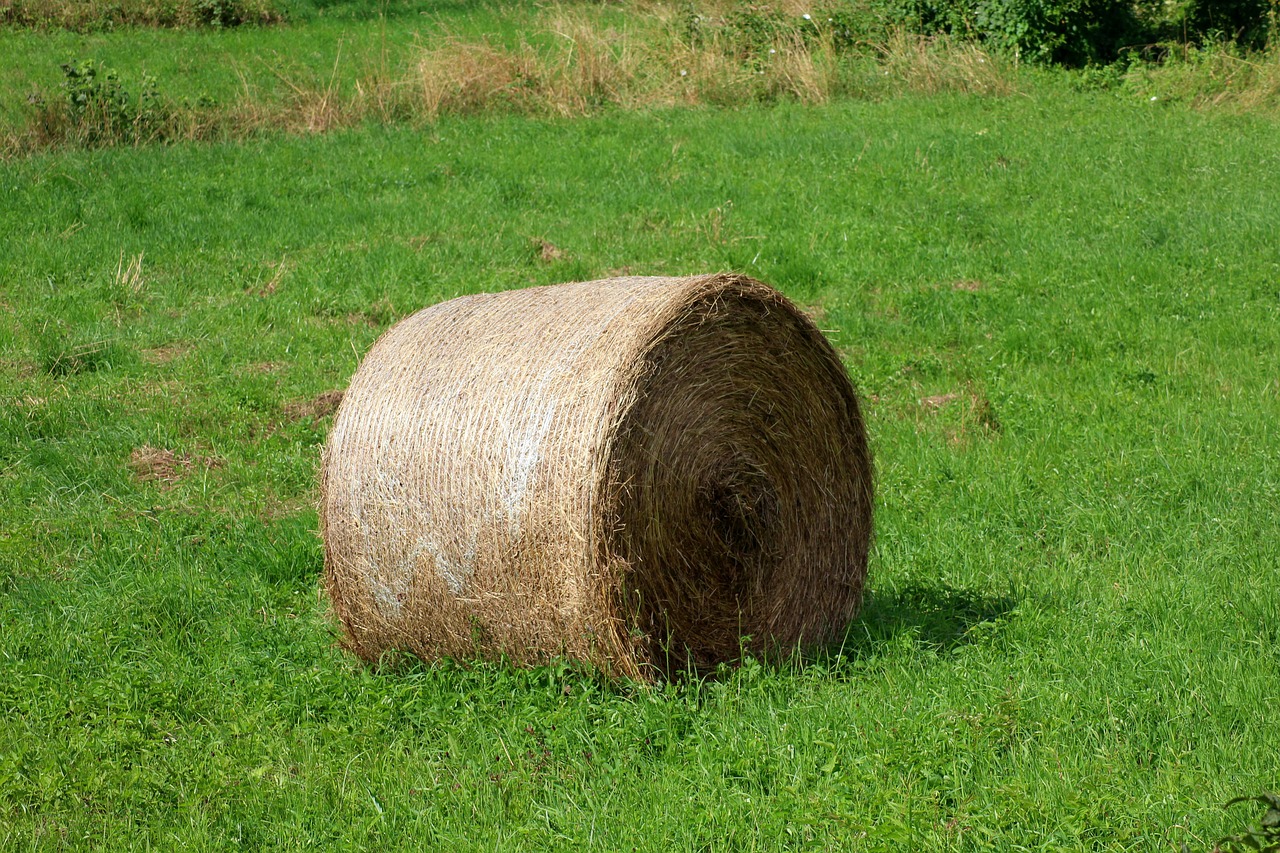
<point x="463" y="77"/>
<point x="316" y="408"/>
<point x="128" y="277"/>
<point x="571" y="65"/>
<point x="165" y="354"/>
<point x="165" y="467"/>
<point x="278" y="271"/>
<point x="547" y="252"/>
<point x="938" y="401"/>
<point x="967" y="415"/>
<point x="155" y="464"/>
<point x="73" y="359"/>
<point x="263" y="368"/>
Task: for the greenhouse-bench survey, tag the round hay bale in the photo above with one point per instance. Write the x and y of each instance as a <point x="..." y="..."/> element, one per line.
<point x="647" y="474"/>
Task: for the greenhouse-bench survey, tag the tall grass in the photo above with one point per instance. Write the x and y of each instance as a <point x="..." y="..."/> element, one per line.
<point x="572" y="61"/>
<point x="84" y="15"/>
<point x="1214" y="77"/>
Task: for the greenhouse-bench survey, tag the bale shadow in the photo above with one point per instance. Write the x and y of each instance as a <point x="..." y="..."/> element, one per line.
<point x="933" y="617"/>
<point x="936" y="616"/>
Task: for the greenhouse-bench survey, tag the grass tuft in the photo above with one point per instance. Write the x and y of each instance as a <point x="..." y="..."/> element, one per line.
<point x="931" y="66"/>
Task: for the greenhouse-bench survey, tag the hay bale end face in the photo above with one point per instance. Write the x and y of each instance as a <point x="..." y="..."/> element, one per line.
<point x="635" y="472"/>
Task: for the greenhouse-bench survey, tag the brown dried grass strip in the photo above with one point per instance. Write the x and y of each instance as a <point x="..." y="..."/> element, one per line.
<point x="641" y="473"/>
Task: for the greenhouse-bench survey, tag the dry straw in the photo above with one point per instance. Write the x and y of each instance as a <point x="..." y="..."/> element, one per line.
<point x="647" y="474"/>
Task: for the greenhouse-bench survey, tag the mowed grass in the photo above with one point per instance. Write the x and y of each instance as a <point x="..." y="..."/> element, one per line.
<point x="1062" y="311"/>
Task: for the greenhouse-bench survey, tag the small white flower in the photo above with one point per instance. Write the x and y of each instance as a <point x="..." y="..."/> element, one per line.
<point x="806" y="17"/>
<point x="771" y="50"/>
<point x="684" y="73"/>
<point x="1153" y="97"/>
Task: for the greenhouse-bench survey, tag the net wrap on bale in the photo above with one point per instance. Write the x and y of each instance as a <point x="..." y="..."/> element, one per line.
<point x="646" y="474"/>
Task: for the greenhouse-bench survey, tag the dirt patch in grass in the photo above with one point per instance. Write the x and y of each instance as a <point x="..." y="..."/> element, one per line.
<point x="982" y="414"/>
<point x="379" y="314"/>
<point x="165" y="354"/>
<point x="19" y="368"/>
<point x="165" y="467"/>
<point x="968" y="285"/>
<point x="547" y="251"/>
<point x="967" y="414"/>
<point x="272" y="508"/>
<point x="417" y="243"/>
<point x="155" y="464"/>
<point x="315" y="409"/>
<point x="939" y="401"/>
<point x="278" y="271"/>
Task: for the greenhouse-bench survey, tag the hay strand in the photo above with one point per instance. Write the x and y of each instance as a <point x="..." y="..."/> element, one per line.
<point x="637" y="472"/>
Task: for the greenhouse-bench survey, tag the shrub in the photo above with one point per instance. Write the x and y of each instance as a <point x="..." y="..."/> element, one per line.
<point x="1247" y="22"/>
<point x="96" y="109"/>
<point x="1085" y="32"/>
<point x="1071" y="32"/>
<point x="221" y="13"/>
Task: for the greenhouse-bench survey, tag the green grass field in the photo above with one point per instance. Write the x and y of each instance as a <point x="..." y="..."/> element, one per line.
<point x="1061" y="308"/>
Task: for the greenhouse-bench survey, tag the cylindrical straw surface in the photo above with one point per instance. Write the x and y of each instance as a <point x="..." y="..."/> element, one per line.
<point x="643" y="473"/>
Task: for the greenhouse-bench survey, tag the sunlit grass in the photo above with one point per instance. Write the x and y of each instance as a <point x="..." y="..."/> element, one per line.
<point x="1061" y="310"/>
